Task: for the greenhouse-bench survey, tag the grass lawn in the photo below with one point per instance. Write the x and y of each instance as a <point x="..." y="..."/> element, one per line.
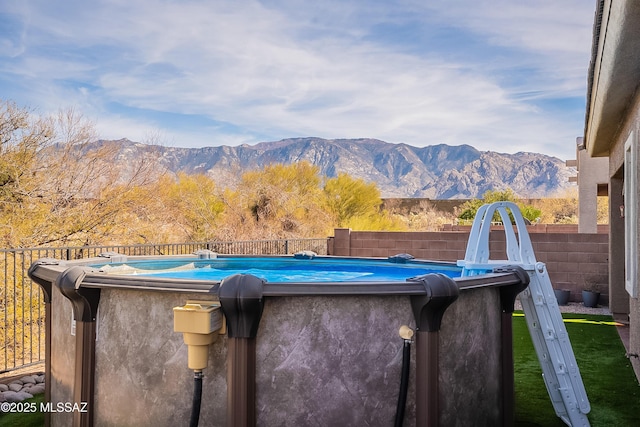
<point x="35" y="419"/>
<point x="607" y="374"/>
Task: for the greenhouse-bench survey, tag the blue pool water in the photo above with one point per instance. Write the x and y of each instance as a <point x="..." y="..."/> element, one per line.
<point x="283" y="269"/>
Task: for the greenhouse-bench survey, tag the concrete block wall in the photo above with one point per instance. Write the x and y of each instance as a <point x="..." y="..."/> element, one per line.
<point x="538" y="228"/>
<point x="573" y="259"/>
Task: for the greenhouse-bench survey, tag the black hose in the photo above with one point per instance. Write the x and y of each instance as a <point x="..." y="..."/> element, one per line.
<point x="197" y="399"/>
<point x="404" y="383"/>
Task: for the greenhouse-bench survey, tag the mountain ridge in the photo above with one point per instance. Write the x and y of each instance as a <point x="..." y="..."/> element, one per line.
<point x="399" y="170"/>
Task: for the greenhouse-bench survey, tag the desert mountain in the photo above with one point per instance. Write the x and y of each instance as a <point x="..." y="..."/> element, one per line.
<point x="399" y="170"/>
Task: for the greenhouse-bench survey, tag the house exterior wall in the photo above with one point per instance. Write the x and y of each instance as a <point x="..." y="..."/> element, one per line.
<point x="630" y="126"/>
<point x="618" y="298"/>
<point x="612" y="120"/>
<point x="572" y="259"/>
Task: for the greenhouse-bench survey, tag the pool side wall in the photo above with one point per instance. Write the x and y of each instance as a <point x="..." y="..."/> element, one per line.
<point x="320" y="361"/>
<point x="62" y="356"/>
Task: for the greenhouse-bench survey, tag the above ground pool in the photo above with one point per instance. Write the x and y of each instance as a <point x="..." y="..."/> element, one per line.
<point x="306" y="338"/>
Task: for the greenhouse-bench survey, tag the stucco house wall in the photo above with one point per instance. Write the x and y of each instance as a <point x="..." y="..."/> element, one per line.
<point x="612" y="128"/>
<point x="622" y="302"/>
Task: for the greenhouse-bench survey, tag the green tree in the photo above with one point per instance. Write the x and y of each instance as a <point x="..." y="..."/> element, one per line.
<point x="349" y="198"/>
<point x="470" y="208"/>
<point x="356" y="204"/>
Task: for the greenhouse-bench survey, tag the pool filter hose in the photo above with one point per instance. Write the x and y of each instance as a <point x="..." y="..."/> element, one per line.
<point x="404" y="383"/>
<point x="197" y="399"/>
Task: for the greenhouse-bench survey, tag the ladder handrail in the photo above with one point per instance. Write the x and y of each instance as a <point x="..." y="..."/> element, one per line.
<point x="519" y="249"/>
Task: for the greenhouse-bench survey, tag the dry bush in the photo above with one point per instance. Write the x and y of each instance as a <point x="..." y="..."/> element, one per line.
<point x="426" y="218"/>
<point x="603" y="210"/>
<point x="562" y="209"/>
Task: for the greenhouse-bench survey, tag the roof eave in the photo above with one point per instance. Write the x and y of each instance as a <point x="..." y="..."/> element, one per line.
<point x="614" y="72"/>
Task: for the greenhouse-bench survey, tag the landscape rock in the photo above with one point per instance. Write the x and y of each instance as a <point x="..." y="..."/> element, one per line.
<point x="23" y="388"/>
<point x="16" y="396"/>
<point x="22" y="395"/>
<point x="37" y="389"/>
<point x="9" y="396"/>
<point x="15" y="386"/>
<point x="29" y="379"/>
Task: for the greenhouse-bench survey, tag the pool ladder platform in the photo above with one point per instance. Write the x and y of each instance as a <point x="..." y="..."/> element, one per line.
<point x="544" y="320"/>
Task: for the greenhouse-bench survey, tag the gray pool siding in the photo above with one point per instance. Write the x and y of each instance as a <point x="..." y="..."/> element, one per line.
<point x="320" y="361"/>
<point x="62" y="357"/>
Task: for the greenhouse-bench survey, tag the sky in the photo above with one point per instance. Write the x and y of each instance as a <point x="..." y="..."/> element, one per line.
<point x="500" y="75"/>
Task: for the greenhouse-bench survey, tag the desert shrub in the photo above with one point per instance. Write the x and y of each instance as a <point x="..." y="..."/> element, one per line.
<point x="470" y="208"/>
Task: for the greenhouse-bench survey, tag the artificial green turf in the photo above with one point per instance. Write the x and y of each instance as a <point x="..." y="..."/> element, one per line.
<point x="612" y="388"/>
<point x="35" y="419"/>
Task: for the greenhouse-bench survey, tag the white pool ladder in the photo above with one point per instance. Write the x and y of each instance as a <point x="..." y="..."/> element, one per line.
<point x="544" y="320"/>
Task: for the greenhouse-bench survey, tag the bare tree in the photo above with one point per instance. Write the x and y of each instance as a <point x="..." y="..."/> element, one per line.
<point x="59" y="184"/>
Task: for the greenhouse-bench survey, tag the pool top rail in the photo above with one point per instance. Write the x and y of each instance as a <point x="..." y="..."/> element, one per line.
<point x="94" y="276"/>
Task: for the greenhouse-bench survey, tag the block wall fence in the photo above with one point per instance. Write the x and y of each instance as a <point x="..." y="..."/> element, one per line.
<point x="573" y="260"/>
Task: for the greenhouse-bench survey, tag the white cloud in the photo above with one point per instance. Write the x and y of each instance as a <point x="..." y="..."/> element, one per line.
<point x="555" y="35"/>
<point x="289" y="69"/>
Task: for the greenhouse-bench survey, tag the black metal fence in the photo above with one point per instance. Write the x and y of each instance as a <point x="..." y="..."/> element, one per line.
<point x="22" y="309"/>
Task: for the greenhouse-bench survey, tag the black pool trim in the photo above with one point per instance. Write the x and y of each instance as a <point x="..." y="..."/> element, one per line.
<point x="48" y="269"/>
<point x="411" y="286"/>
